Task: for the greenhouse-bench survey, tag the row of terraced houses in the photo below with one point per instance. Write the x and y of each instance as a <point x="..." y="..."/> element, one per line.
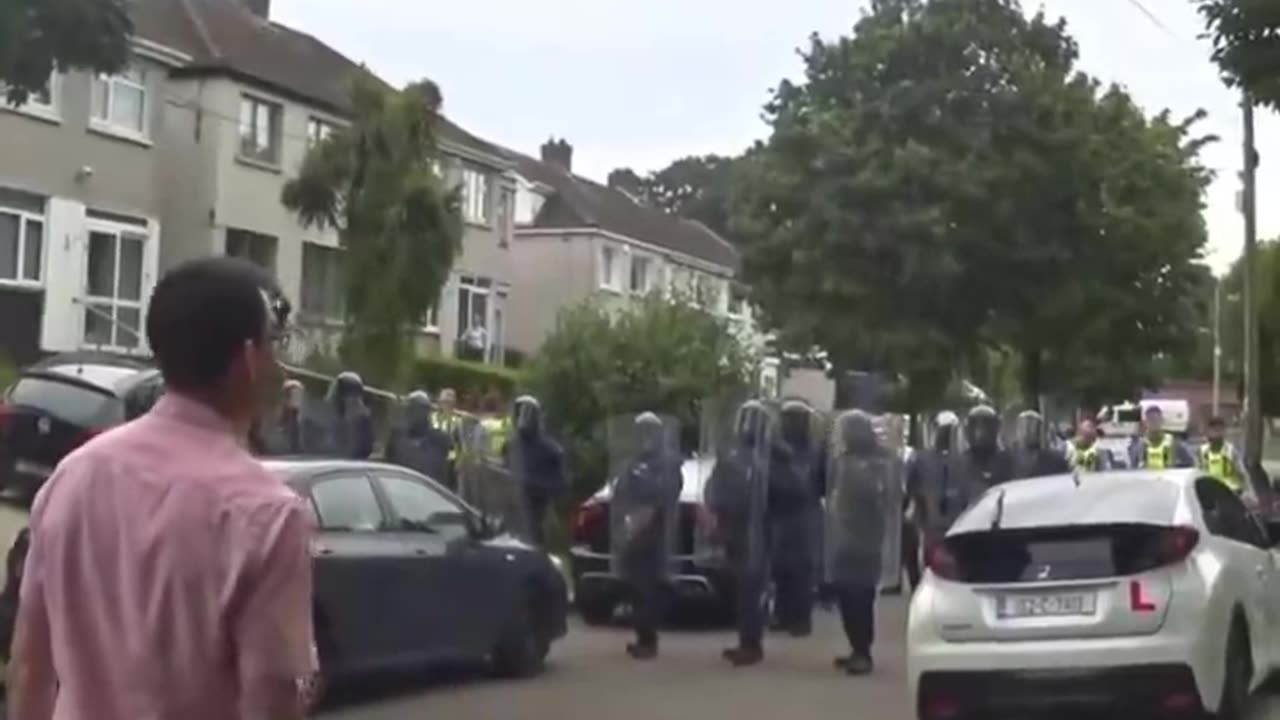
<point x="106" y="181"/>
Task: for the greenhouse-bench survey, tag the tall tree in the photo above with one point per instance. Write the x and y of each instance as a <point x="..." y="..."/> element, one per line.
<point x="1268" y="274"/>
<point x="375" y="181"/>
<point x="945" y="181"/>
<point x="1246" y="45"/>
<point x="40" y="36"/>
<point x="695" y="187"/>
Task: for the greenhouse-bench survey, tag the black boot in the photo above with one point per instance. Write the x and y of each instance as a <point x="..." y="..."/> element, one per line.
<point x="642" y="651"/>
<point x="744" y="657"/>
<point x="860" y="664"/>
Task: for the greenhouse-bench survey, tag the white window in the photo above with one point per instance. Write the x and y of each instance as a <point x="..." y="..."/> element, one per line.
<point x="260" y="130"/>
<point x="682" y="282"/>
<point x="642" y="269"/>
<point x="704" y="291"/>
<point x="737" y="300"/>
<point x="120" y="102"/>
<point x="43" y="102"/>
<point x="113" y="285"/>
<point x="322" y="282"/>
<point x="473" y="314"/>
<point x="22" y="224"/>
<point x="318" y="131"/>
<point x="475" y="196"/>
<point x="431" y="320"/>
<point x="610" y="267"/>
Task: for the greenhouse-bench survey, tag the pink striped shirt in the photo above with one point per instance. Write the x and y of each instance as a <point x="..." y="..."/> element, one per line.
<point x="172" y="567"/>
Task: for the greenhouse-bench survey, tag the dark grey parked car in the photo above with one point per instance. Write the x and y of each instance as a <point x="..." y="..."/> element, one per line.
<point x="406" y="573"/>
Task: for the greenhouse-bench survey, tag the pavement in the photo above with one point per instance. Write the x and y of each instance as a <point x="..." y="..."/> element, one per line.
<point x="590" y="677"/>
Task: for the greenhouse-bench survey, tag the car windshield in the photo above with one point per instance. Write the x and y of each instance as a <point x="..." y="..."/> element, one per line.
<point x="1099" y="499"/>
<point x="68" y="401"/>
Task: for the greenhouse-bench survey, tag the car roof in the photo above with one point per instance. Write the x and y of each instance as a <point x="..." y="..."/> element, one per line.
<point x="110" y="377"/>
<point x="1149" y="497"/>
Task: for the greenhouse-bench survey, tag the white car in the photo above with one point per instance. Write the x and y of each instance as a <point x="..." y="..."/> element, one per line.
<point x="1123" y="592"/>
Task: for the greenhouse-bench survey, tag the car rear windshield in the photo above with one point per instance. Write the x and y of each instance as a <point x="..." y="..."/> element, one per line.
<point x="1056" y="554"/>
<point x="1097" y="499"/>
<point x="1129" y="415"/>
<point x="67" y="401"/>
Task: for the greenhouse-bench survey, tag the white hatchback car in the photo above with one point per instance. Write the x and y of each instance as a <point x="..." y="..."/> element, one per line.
<point x="1128" y="592"/>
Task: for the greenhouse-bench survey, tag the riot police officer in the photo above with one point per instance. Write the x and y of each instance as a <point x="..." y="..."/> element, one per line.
<point x="797" y="480"/>
<point x="642" y="524"/>
<point x="343" y="427"/>
<point x="736" y="498"/>
<point x="927" y="478"/>
<point x="536" y="464"/>
<point x="1030" y="457"/>
<point x="416" y="443"/>
<point x="981" y="465"/>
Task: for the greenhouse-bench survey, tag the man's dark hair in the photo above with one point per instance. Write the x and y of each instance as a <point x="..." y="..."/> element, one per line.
<point x="1153" y="410"/>
<point x="200" y="315"/>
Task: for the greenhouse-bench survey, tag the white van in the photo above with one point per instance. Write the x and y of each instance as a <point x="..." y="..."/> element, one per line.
<point x="1125" y="420"/>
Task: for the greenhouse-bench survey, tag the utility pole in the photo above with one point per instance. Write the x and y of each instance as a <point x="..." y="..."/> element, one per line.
<point x="1252" y="381"/>
<point x="1217" y="346"/>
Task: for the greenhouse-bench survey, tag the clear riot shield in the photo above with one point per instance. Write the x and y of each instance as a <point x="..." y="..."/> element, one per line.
<point x="492" y="484"/>
<point x="736" y="494"/>
<point x="645" y="480"/>
<point x="862" y="542"/>
<point x="413" y="443"/>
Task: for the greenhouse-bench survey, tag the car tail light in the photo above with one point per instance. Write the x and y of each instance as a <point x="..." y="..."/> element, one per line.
<point x="940" y="707"/>
<point x="940" y="560"/>
<point x="1180" y="701"/>
<point x="586" y="520"/>
<point x="1173" y="545"/>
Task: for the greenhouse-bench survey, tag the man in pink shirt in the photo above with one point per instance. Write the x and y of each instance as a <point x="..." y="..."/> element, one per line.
<point x="169" y="575"/>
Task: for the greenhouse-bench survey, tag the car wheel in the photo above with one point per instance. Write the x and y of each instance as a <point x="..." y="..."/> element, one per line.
<point x="1237" y="674"/>
<point x="596" y="611"/>
<point x="523" y="645"/>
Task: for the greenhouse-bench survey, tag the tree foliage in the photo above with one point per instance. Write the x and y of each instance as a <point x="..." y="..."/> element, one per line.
<point x="695" y="187"/>
<point x="38" y="37"/>
<point x="1246" y="45"/>
<point x="375" y="182"/>
<point x="944" y="183"/>
<point x="1268" y="293"/>
<point x="658" y="354"/>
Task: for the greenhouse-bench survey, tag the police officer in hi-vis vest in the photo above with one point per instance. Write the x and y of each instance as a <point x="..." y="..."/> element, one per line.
<point x="1218" y="458"/>
<point x="1157" y="449"/>
<point x="1084" y="453"/>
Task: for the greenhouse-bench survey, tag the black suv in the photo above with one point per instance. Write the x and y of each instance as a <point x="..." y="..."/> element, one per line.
<point x="60" y="403"/>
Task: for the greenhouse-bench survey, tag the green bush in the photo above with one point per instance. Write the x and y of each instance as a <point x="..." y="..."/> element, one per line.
<point x="658" y="354"/>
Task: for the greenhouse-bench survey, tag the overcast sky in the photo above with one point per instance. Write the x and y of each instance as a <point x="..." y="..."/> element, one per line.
<point x="641" y="83"/>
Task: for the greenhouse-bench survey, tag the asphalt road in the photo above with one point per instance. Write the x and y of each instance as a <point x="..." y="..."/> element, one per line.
<point x="590" y="677"/>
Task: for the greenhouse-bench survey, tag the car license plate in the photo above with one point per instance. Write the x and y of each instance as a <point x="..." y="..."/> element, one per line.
<point x="1057" y="605"/>
<point x="29" y="468"/>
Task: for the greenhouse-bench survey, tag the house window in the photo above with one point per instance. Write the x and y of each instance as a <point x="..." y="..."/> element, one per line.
<point x="113" y="286"/>
<point x="43" y="102"/>
<point x="431" y="321"/>
<point x="473" y="316"/>
<point x="260" y="130"/>
<point x="322" y="281"/>
<point x="504" y="217"/>
<point x="610" y="267"/>
<point x="120" y="101"/>
<point x="704" y="291"/>
<point x="737" y="300"/>
<point x="255" y="247"/>
<point x="318" y="131"/>
<point x="21" y="237"/>
<point x="496" y="344"/>
<point x="475" y="196"/>
<point x="641" y="274"/>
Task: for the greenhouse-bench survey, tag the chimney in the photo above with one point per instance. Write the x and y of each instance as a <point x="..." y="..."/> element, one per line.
<point x="261" y="8"/>
<point x="558" y="153"/>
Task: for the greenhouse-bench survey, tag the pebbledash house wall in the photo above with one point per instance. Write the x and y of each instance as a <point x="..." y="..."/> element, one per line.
<point x="77" y="175"/>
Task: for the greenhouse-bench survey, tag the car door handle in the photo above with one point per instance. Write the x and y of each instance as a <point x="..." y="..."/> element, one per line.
<point x="324" y="550"/>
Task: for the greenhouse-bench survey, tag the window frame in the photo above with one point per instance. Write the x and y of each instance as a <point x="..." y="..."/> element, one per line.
<point x="608" y="272"/>
<point x="645" y="260"/>
<point x="477" y="212"/>
<point x="119" y="231"/>
<point x="50" y="111"/>
<point x="339" y="302"/>
<point x="20" y="279"/>
<point x="107" y="124"/>
<point x="254" y="104"/>
<point x="384" y="522"/>
<point x="475" y="285"/>
<point x="319" y="130"/>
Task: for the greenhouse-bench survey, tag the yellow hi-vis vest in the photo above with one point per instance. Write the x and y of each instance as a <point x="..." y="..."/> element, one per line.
<point x="1084" y="458"/>
<point x="1221" y="466"/>
<point x="495" y="430"/>
<point x="449" y="424"/>
<point x="1158" y="456"/>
